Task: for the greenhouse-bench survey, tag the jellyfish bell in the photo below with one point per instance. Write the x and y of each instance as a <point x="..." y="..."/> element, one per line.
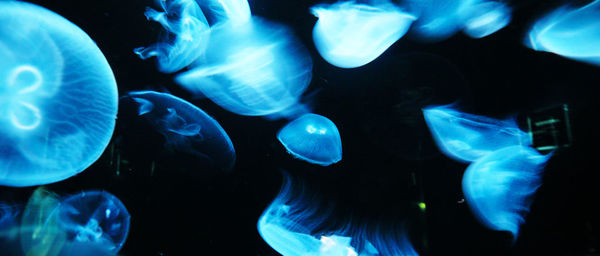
<point x="350" y="34"/>
<point x="312" y="138"/>
<point x="185" y="127"/>
<point x="58" y="99"/>
<point x="485" y="18"/>
<point x="438" y="19"/>
<point x="252" y="68"/>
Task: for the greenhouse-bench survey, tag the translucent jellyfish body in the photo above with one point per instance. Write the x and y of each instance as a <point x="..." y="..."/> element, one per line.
<point x="570" y="32"/>
<point x="466" y="137"/>
<point x="186" y="38"/>
<point x="58" y="98"/>
<point x="251" y="68"/>
<point x="350" y="34"/>
<point x="312" y="138"/>
<point x="485" y="18"/>
<point x="439" y="19"/>
<point x="499" y="187"/>
<point x="185" y="127"/>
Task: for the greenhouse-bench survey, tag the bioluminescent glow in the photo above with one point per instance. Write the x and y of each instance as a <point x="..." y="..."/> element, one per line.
<point x="237" y="11"/>
<point x="438" y="19"/>
<point x="466" y="137"/>
<point x="187" y="35"/>
<point x="86" y="224"/>
<point x="185" y="127"/>
<point x="499" y="187"/>
<point x="570" y="32"/>
<point x="350" y="34"/>
<point x="485" y="18"/>
<point x="253" y="68"/>
<point x="312" y="138"/>
<point x="58" y="99"/>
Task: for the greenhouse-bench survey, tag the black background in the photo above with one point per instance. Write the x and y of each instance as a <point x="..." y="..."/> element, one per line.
<point x="390" y="161"/>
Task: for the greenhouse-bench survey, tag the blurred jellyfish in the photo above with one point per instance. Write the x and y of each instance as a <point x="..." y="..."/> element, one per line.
<point x="58" y="99"/>
<point x="466" y="137"/>
<point x="438" y="19"/>
<point x="485" y="18"/>
<point x="185" y="127"/>
<point x="86" y="224"/>
<point x="570" y="32"/>
<point x="312" y="138"/>
<point x="499" y="187"/>
<point x="350" y="34"/>
<point x="237" y="11"/>
<point x="186" y="37"/>
<point x="251" y="68"/>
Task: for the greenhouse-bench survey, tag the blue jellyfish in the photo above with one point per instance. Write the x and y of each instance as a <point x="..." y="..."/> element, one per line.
<point x="237" y="11"/>
<point x="350" y="34"/>
<point x="485" y="18"/>
<point x="58" y="99"/>
<point x="499" y="187"/>
<point x="312" y="138"/>
<point x="438" y="19"/>
<point x="570" y="32"/>
<point x="466" y="137"/>
<point x="186" y="38"/>
<point x="185" y="127"/>
<point x="88" y="223"/>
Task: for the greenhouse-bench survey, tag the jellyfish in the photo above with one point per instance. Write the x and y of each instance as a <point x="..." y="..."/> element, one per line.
<point x="237" y="11"/>
<point x="58" y="99"/>
<point x="88" y="223"/>
<point x="350" y="34"/>
<point x="186" y="38"/>
<point x="312" y="138"/>
<point x="570" y="32"/>
<point x="485" y="18"/>
<point x="499" y="187"/>
<point x="438" y="19"/>
<point x="466" y="137"/>
<point x="185" y="127"/>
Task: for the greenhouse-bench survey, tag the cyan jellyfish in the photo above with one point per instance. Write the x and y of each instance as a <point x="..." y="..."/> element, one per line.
<point x="466" y="137"/>
<point x="350" y="34"/>
<point x="185" y="127"/>
<point x="570" y="32"/>
<point x="312" y="138"/>
<point x="485" y="18"/>
<point x="186" y="37"/>
<point x="88" y="223"/>
<point x="58" y="99"/>
<point x="438" y="19"/>
<point x="237" y="11"/>
<point x="499" y="187"/>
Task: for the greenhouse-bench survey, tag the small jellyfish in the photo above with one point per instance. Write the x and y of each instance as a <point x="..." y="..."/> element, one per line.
<point x="58" y="97"/>
<point x="350" y="34"/>
<point x="185" y="127"/>
<point x="438" y="19"/>
<point x="466" y="137"/>
<point x="499" y="187"/>
<point x="570" y="32"/>
<point x="186" y="38"/>
<point x="485" y="18"/>
<point x="312" y="138"/>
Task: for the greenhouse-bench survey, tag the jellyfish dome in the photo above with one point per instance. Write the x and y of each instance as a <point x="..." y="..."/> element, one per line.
<point x="486" y="18"/>
<point x="499" y="187"/>
<point x="58" y="98"/>
<point x="466" y="137"/>
<point x="350" y="34"/>
<point x="439" y="19"/>
<point x="312" y="138"/>
<point x="251" y="67"/>
<point x="185" y="127"/>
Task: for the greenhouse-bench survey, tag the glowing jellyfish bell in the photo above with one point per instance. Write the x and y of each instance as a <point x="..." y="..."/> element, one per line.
<point x="569" y="32"/>
<point x="312" y="138"/>
<point x="185" y="127"/>
<point x="499" y="187"/>
<point x="466" y="137"/>
<point x="485" y="18"/>
<point x="58" y="97"/>
<point x="350" y="34"/>
<point x="438" y="19"/>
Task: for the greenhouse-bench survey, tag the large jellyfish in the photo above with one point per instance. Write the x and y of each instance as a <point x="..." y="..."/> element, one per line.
<point x="312" y="138"/>
<point x="186" y="37"/>
<point x="350" y="34"/>
<point x="466" y="137"/>
<point x="88" y="223"/>
<point x="185" y="127"/>
<point x="499" y="187"/>
<point x="570" y="32"/>
<point x="58" y="97"/>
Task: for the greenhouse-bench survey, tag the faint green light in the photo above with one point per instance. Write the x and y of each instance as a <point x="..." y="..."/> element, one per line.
<point x="422" y="206"/>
